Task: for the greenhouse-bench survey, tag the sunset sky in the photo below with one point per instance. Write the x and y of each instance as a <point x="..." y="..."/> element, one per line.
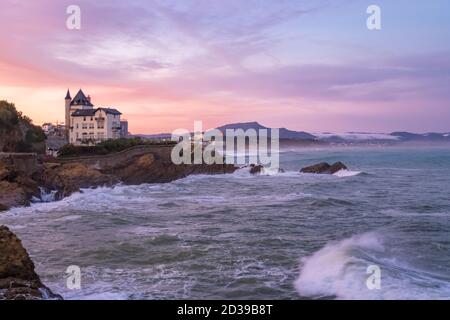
<point x="304" y="65"/>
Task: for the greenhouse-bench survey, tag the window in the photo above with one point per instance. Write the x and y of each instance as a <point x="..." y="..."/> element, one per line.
<point x="84" y="118"/>
<point x="84" y="126"/>
<point x="91" y="126"/>
<point x="92" y="118"/>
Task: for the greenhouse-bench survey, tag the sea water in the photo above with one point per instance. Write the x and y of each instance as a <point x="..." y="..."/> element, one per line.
<point x="271" y="236"/>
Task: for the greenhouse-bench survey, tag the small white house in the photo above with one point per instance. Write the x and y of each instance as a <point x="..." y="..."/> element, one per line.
<point x="89" y="125"/>
<point x="48" y="128"/>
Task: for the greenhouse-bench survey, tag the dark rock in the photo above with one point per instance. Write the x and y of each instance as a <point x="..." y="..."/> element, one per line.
<point x="18" y="280"/>
<point x="324" y="168"/>
<point x="154" y="168"/>
<point x="71" y="177"/>
<point x="337" y="166"/>
<point x="16" y="180"/>
<point x="4" y="172"/>
<point x="254" y="169"/>
<point x="12" y="195"/>
<point x="51" y="165"/>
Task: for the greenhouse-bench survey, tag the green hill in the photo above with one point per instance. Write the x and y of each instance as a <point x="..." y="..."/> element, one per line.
<point x="17" y="132"/>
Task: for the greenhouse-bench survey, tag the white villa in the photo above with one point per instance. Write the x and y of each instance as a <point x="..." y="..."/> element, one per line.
<point x="87" y="125"/>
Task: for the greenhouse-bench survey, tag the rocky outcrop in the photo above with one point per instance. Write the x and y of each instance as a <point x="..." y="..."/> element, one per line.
<point x="152" y="168"/>
<point x="337" y="166"/>
<point x="71" y="177"/>
<point x="256" y="169"/>
<point x="21" y="181"/>
<point x="18" y="280"/>
<point x="12" y="195"/>
<point x="17" y="184"/>
<point x="324" y="168"/>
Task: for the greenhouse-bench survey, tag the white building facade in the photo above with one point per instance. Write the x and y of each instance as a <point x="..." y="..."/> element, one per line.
<point x="89" y="125"/>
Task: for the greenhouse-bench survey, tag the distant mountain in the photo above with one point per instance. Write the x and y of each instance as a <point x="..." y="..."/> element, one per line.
<point x="242" y="125"/>
<point x="153" y="136"/>
<point x="329" y="137"/>
<point x="283" y="132"/>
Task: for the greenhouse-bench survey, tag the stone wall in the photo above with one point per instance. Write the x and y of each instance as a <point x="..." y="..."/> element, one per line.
<point x="25" y="163"/>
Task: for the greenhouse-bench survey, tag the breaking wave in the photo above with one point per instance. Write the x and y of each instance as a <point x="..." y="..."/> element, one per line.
<point x="340" y="270"/>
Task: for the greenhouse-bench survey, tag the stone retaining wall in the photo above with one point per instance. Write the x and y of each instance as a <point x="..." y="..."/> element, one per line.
<point x="22" y="162"/>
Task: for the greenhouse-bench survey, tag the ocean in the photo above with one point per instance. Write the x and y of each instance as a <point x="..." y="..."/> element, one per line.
<point x="270" y="236"/>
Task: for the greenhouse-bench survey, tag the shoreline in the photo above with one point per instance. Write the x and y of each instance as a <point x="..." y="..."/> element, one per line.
<point x="22" y="179"/>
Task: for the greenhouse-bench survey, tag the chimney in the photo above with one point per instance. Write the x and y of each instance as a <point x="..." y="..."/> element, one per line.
<point x="89" y="98"/>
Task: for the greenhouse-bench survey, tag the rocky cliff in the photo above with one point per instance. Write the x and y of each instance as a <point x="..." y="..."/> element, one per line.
<point x="23" y="177"/>
<point x="18" y="179"/>
<point x="18" y="280"/>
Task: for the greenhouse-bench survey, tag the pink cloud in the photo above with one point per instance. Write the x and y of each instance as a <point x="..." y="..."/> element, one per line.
<point x="165" y="64"/>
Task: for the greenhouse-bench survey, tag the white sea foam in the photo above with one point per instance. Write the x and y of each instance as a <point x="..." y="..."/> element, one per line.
<point x="357" y="136"/>
<point x="340" y="270"/>
<point x="333" y="271"/>
<point x="346" y="173"/>
<point x="278" y="172"/>
<point x="130" y="283"/>
<point x="71" y="217"/>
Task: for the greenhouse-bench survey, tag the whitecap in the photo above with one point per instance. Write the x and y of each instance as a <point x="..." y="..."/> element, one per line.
<point x="340" y="270"/>
<point x="346" y="173"/>
<point x="332" y="271"/>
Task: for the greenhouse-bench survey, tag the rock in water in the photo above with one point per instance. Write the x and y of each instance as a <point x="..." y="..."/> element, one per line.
<point x="18" y="280"/>
<point x="254" y="169"/>
<point x="324" y="168"/>
<point x="337" y="166"/>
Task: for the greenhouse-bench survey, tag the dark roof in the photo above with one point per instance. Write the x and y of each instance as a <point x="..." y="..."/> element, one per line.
<point x="112" y="111"/>
<point x="68" y="95"/>
<point x="80" y="99"/>
<point x="92" y="112"/>
<point x="84" y="113"/>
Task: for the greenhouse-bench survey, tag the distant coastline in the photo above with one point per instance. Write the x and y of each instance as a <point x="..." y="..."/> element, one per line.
<point x="303" y="138"/>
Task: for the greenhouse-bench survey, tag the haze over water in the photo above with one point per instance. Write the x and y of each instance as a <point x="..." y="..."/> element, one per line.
<point x="271" y="236"/>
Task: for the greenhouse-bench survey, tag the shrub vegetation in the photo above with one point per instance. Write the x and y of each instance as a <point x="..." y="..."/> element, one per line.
<point x="17" y="132"/>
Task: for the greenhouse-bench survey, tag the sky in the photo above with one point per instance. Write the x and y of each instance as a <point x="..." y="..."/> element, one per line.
<point x="304" y="65"/>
